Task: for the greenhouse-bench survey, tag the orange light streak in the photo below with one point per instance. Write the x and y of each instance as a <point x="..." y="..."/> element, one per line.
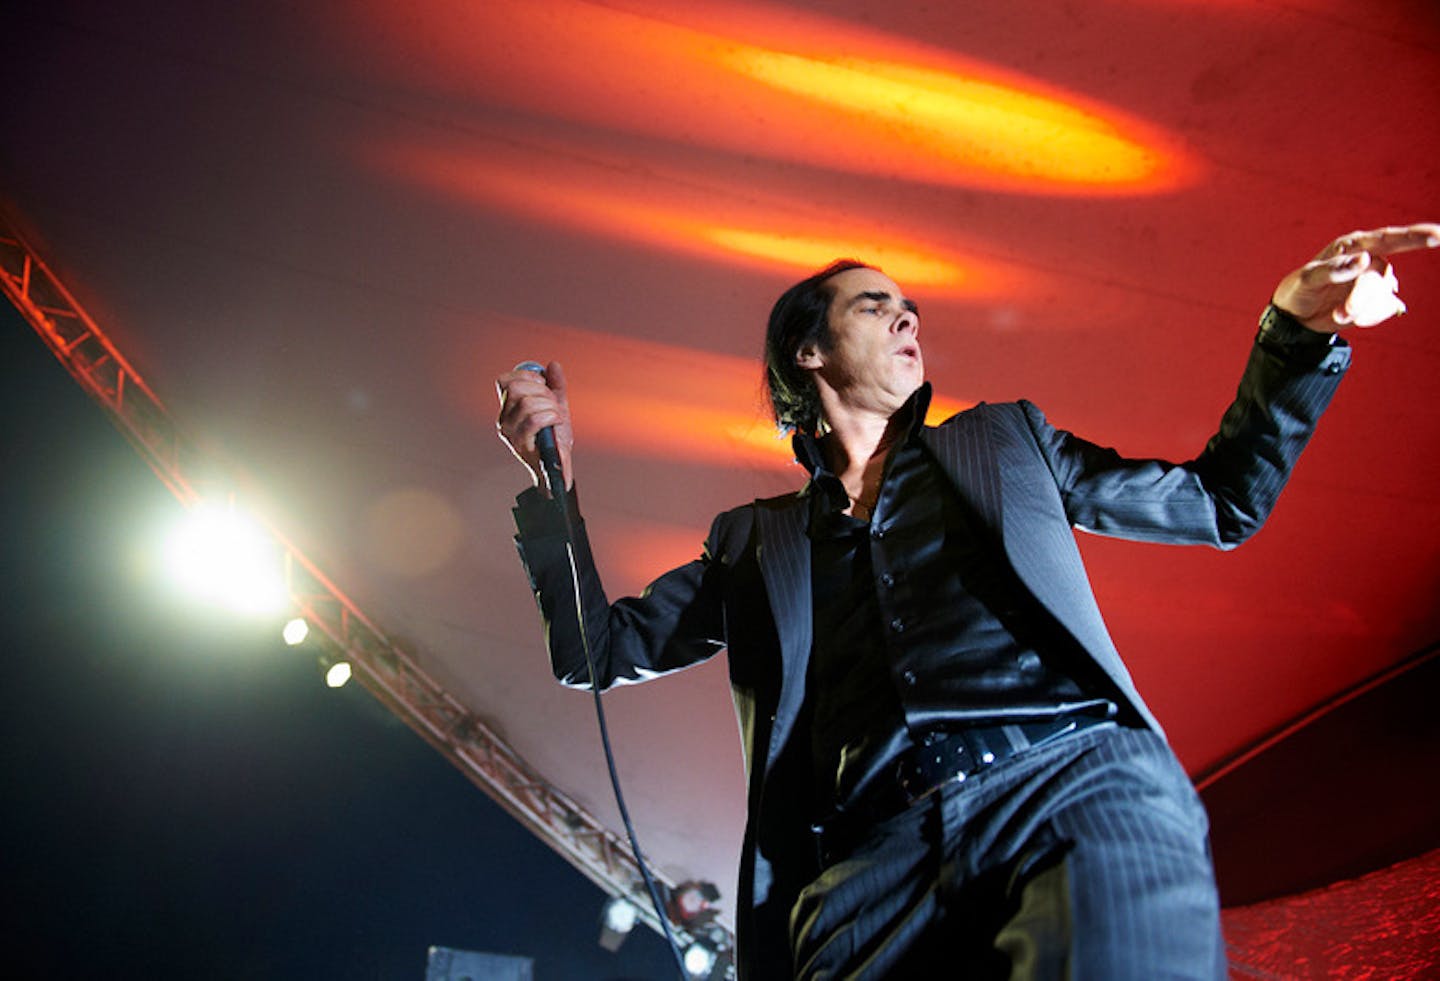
<point x="635" y="552"/>
<point x="648" y="398"/>
<point x="778" y="84"/>
<point x="606" y="203"/>
<point x="905" y="264"/>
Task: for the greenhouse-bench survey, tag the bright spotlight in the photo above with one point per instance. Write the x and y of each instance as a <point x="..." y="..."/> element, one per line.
<point x="225" y="557"/>
<point x="295" y="632"/>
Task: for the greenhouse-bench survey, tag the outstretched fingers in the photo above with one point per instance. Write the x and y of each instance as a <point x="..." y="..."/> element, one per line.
<point x="1385" y="241"/>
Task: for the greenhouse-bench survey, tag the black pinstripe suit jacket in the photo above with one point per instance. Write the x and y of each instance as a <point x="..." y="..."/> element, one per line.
<point x="749" y="592"/>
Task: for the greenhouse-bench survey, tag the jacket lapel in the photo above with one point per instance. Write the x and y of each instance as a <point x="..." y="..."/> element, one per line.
<point x="964" y="450"/>
<point x="1036" y="546"/>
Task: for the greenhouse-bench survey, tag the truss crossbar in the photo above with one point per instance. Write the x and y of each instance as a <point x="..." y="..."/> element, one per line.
<point x="391" y="674"/>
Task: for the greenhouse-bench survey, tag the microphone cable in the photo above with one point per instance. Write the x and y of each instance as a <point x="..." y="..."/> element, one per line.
<point x="563" y="504"/>
<point x="555" y="480"/>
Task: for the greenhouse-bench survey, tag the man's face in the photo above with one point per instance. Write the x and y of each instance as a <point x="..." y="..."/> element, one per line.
<point x="873" y="360"/>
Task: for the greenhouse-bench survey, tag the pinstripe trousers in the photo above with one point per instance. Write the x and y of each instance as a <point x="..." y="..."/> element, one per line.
<point x="1083" y="859"/>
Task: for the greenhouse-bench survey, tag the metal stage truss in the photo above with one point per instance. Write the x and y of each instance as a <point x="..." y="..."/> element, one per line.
<point x="391" y="675"/>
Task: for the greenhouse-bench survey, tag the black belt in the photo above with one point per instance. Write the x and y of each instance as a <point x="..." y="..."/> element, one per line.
<point x="939" y="758"/>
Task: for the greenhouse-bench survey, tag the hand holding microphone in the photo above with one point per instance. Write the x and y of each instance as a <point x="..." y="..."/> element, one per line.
<point x="534" y="422"/>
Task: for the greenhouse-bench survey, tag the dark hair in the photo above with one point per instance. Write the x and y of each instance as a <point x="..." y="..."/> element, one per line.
<point x="801" y="316"/>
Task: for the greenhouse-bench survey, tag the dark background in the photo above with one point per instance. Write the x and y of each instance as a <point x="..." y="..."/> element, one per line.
<point x="183" y="795"/>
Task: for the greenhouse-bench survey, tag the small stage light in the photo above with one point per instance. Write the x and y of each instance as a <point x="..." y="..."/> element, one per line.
<point x="336" y="670"/>
<point x="691" y="903"/>
<point x="616" y="921"/>
<point x="708" y="956"/>
<point x="699" y="959"/>
<point x="620" y="915"/>
<point x="295" y="632"/>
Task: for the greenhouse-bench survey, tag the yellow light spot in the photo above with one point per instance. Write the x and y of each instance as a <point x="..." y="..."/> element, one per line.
<point x="986" y="125"/>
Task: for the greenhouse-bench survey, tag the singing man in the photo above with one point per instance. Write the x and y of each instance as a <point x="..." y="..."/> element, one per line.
<point x="947" y="761"/>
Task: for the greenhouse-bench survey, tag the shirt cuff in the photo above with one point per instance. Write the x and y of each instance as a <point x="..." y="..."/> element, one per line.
<point x="1283" y="335"/>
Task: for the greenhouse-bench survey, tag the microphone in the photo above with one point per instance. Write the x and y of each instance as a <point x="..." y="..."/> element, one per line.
<point x="545" y="443"/>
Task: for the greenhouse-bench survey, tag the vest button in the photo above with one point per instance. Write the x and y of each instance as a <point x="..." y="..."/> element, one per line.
<point x="887" y="580"/>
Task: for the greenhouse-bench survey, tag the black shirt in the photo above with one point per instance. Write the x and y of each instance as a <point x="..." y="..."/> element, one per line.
<point x="920" y="624"/>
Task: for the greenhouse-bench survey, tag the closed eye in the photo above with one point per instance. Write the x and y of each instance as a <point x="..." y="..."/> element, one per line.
<point x="879" y="301"/>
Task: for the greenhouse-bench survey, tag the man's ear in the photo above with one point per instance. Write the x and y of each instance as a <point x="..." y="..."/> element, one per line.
<point x="807" y="356"/>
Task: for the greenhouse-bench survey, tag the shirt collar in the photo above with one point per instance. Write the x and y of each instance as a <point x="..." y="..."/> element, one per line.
<point x="807" y="448"/>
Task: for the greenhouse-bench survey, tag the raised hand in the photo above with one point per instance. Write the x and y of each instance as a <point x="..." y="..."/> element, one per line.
<point x="528" y="403"/>
<point x="1351" y="281"/>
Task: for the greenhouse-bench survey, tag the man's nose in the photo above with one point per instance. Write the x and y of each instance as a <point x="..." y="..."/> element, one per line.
<point x="907" y="322"/>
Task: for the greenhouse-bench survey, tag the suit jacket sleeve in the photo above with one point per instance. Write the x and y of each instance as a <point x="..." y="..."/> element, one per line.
<point x="1224" y="495"/>
<point x="677" y="621"/>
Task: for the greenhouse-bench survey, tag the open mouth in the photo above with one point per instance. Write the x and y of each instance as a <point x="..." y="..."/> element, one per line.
<point x="908" y="351"/>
